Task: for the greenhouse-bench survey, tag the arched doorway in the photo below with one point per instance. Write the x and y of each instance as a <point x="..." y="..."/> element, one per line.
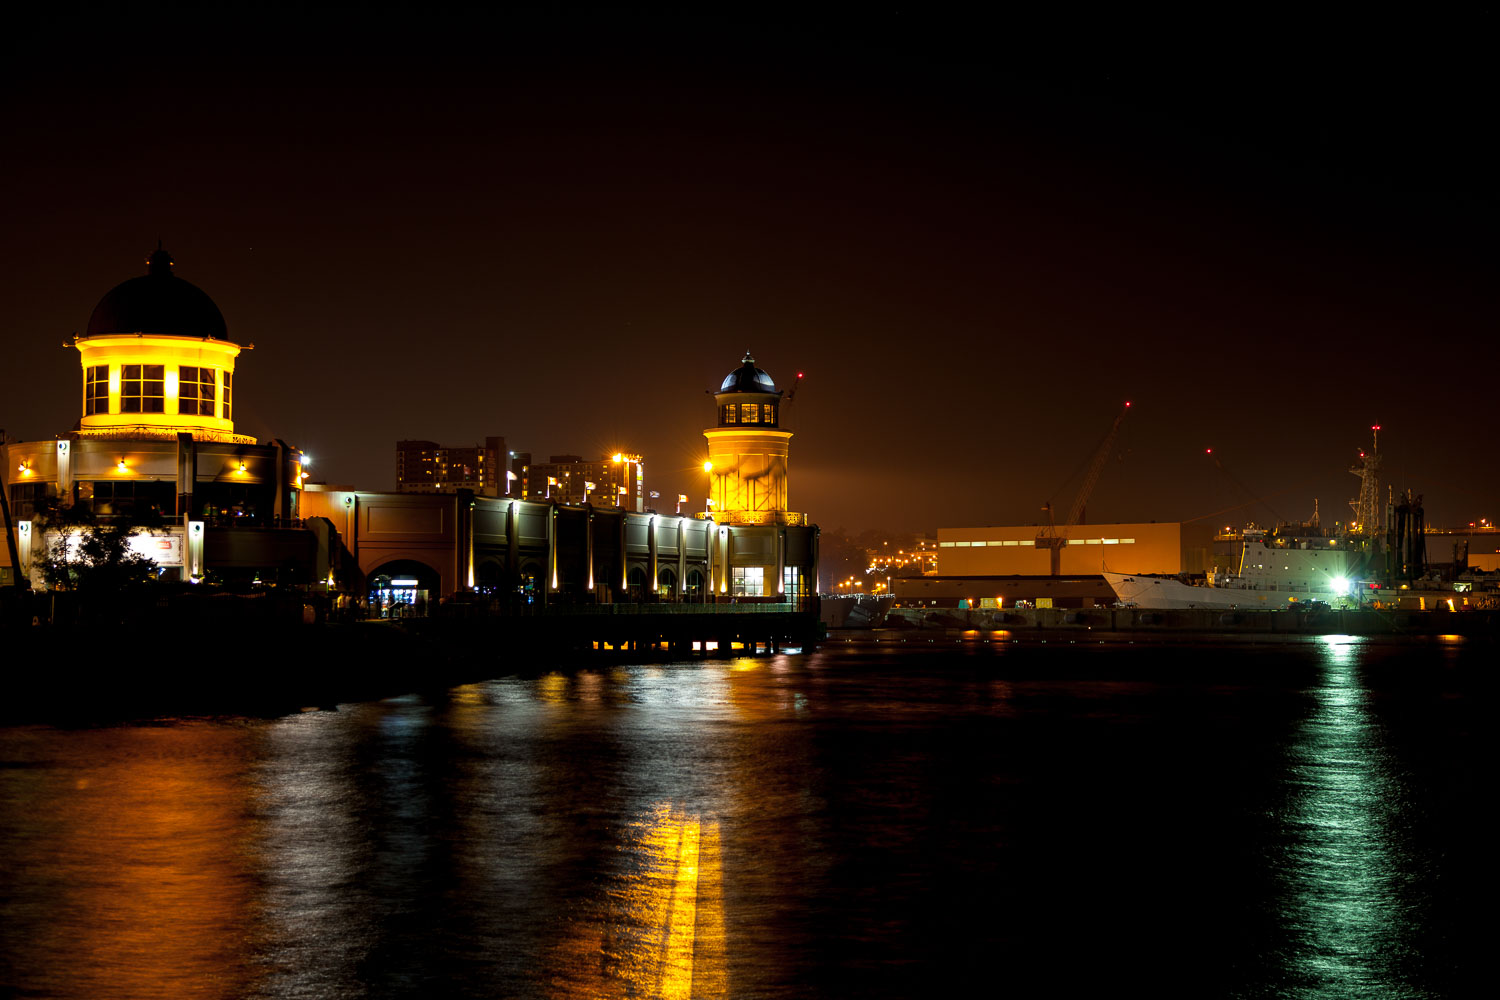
<point x="692" y="586"/>
<point x="666" y="583"/>
<point x="532" y="584"/>
<point x="402" y="588"/>
<point x="489" y="578"/>
<point x="636" y="583"/>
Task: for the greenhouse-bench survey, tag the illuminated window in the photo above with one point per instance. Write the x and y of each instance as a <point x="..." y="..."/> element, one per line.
<point x="980" y="545"/>
<point x="730" y="412"/>
<point x="228" y="382"/>
<point x="748" y="581"/>
<point x="791" y="582"/>
<point x="749" y="413"/>
<point x="96" y="389"/>
<point x="195" y="391"/>
<point x="768" y="413"/>
<point x="945" y="545"/>
<point x="24" y="498"/>
<point x="143" y="389"/>
<point x="962" y="545"/>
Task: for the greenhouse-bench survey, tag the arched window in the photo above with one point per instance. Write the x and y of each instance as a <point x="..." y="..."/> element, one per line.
<point x="666" y="582"/>
<point x="693" y="585"/>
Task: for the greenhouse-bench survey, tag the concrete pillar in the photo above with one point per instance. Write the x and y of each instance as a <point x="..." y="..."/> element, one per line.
<point x="551" y="587"/>
<point x="780" y="590"/>
<point x="682" y="526"/>
<point x="651" y="549"/>
<point x="512" y="543"/>
<point x="588" y="535"/>
<point x="187" y="473"/>
<point x="192" y="559"/>
<point x="463" y="531"/>
<point x="65" y="472"/>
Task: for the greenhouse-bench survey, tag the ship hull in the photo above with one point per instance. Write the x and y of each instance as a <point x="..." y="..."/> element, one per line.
<point x="1165" y="593"/>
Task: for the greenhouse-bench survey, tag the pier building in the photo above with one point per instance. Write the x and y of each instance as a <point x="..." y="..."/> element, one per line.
<point x="155" y="442"/>
<point x="156" y="448"/>
<point x="581" y="549"/>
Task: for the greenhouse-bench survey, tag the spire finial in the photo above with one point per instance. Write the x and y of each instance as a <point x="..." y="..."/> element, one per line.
<point x="747" y="359"/>
<point x="160" y="262"/>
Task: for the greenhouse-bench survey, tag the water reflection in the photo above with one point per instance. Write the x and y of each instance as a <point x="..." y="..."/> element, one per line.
<point x="874" y="824"/>
<point x="660" y="930"/>
<point x="137" y="853"/>
<point x="1344" y="919"/>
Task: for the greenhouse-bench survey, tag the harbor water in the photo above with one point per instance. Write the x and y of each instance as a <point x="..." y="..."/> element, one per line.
<point x="1275" y="817"/>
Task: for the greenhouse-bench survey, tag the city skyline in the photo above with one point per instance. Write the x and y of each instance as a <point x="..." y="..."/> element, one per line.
<point x="974" y="265"/>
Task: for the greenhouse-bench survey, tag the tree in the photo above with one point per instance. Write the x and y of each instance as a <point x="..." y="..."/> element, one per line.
<point x="100" y="562"/>
<point x="110" y="581"/>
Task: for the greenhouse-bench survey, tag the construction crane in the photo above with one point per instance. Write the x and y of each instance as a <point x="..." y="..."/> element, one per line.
<point x="1053" y="538"/>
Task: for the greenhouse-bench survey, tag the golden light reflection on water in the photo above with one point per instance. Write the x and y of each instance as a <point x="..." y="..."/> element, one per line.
<point x="660" y="930"/>
<point x="151" y="846"/>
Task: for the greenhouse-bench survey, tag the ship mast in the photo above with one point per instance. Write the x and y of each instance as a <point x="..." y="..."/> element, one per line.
<point x="1367" y="510"/>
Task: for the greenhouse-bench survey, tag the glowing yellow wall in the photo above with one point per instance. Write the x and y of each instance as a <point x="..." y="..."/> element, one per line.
<point x="116" y="350"/>
<point x="749" y="470"/>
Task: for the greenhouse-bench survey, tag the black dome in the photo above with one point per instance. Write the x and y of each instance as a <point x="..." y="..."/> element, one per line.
<point x="748" y="378"/>
<point x="159" y="302"/>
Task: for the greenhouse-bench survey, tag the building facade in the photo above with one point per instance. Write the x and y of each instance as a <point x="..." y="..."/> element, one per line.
<point x="1167" y="547"/>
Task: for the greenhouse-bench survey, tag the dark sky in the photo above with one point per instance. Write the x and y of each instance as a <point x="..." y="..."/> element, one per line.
<point x="976" y="242"/>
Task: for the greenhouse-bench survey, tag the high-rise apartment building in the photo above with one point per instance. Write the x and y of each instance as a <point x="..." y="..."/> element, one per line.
<point x="428" y="467"/>
<point x="615" y="481"/>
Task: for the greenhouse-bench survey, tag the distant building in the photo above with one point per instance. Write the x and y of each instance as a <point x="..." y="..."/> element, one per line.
<point x="617" y="481"/>
<point x="428" y="467"/>
<point x="1166" y="547"/>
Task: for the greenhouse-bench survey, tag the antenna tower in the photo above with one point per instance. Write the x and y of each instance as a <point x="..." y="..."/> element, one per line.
<point x="1367" y="509"/>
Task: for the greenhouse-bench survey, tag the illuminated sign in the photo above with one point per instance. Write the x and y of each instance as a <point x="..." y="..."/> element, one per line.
<point x="163" y="550"/>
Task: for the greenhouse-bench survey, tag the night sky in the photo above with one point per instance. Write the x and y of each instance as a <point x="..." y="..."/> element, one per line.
<point x="976" y="242"/>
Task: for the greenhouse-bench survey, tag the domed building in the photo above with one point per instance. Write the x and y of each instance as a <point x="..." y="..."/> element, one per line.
<point x="155" y="441"/>
<point x="747" y="451"/>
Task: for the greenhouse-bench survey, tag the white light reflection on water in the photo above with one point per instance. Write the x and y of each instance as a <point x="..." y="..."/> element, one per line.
<point x="1343" y="921"/>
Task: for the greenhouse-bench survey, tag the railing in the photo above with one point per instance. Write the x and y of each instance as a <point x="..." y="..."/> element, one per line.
<point x="665" y="608"/>
<point x="738" y="517"/>
<point x="155" y="432"/>
<point x="243" y="521"/>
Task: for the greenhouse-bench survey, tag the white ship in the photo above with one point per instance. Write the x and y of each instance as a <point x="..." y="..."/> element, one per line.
<point x="1276" y="571"/>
